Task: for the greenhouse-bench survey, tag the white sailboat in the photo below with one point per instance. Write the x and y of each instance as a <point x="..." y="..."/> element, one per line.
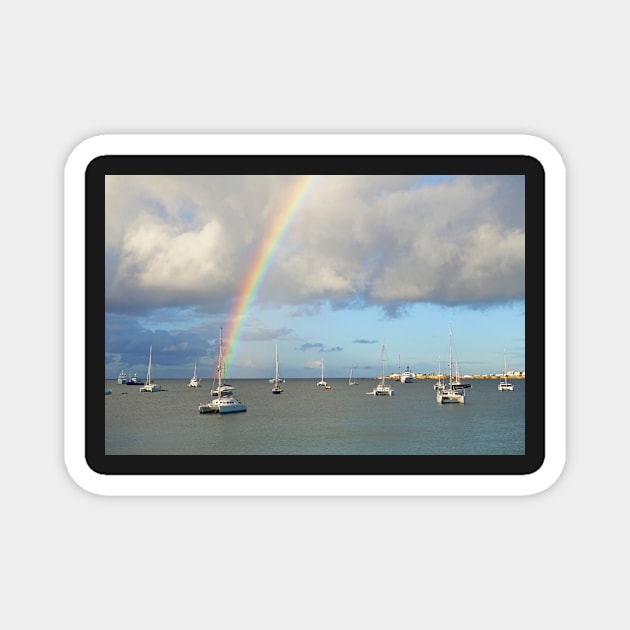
<point x="382" y="389"/>
<point x="440" y="382"/>
<point x="323" y="383"/>
<point x="351" y="381"/>
<point x="276" y="389"/>
<point x="454" y="392"/>
<point x="504" y="386"/>
<point x="149" y="386"/>
<point x="194" y="381"/>
<point x="223" y="402"/>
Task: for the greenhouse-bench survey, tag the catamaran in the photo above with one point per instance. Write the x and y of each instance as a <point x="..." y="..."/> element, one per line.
<point x="323" y="383"/>
<point x="194" y="381"/>
<point x="382" y="389"/>
<point x="223" y="402"/>
<point x="454" y="392"/>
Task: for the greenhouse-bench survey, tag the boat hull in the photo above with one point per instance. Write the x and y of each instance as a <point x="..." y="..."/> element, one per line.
<point x="506" y="387"/>
<point x="450" y="397"/>
<point x="223" y="405"/>
<point x="151" y="388"/>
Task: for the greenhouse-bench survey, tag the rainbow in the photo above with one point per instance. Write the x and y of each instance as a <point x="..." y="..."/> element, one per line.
<point x="264" y="256"/>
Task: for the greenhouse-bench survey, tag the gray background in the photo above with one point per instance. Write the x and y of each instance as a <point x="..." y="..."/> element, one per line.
<point x="73" y="70"/>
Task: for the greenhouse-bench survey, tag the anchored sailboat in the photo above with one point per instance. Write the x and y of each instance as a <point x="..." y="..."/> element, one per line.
<point x="276" y="389"/>
<point x="351" y="381"/>
<point x="194" y="381"/>
<point x="454" y="391"/>
<point x="382" y="389"/>
<point x="149" y="386"/>
<point x="323" y="383"/>
<point x="504" y="386"/>
<point x="224" y="401"/>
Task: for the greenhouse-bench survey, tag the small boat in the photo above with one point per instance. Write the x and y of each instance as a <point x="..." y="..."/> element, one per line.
<point x="107" y="392"/>
<point x="323" y="383"/>
<point x="149" y="386"/>
<point x="454" y="392"/>
<point x="122" y="377"/>
<point x="224" y="401"/>
<point x="382" y="389"/>
<point x="351" y="381"/>
<point x="407" y="376"/>
<point x="504" y="386"/>
<point x="194" y="381"/>
<point x="276" y="389"/>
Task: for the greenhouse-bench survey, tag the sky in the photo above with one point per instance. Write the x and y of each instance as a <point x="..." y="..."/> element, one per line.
<point x="342" y="269"/>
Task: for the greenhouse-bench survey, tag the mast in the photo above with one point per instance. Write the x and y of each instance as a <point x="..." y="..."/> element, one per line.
<point x="450" y="356"/>
<point x="149" y="368"/>
<point x="383" y="364"/>
<point x="220" y="367"/>
<point x="504" y="366"/>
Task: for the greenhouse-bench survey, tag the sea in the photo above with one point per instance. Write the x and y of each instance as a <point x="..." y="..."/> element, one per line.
<point x="310" y="420"/>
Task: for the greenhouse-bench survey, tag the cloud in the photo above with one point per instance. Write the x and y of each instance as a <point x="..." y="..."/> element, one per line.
<point x="365" y="341"/>
<point x="357" y="241"/>
<point x="309" y="346"/>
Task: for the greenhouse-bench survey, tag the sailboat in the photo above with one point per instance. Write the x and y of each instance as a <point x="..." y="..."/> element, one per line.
<point x="382" y="389"/>
<point x="440" y="383"/>
<point x="454" y="391"/>
<point x="194" y="381"/>
<point x="504" y="386"/>
<point x="148" y="385"/>
<point x="323" y="383"/>
<point x="223" y="402"/>
<point x="276" y="389"/>
<point x="351" y="381"/>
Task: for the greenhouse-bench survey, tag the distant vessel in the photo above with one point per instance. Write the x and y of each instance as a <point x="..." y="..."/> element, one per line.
<point x="194" y="381"/>
<point x="323" y="383"/>
<point x="107" y="392"/>
<point x="276" y="389"/>
<point x="382" y="389"/>
<point x="224" y="401"/>
<point x="407" y="376"/>
<point x="134" y="380"/>
<point x="122" y="377"/>
<point x="351" y="381"/>
<point x="504" y="386"/>
<point x="150" y="386"/>
<point x="454" y="391"/>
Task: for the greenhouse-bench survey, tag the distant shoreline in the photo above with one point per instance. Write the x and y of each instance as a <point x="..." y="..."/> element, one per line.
<point x="477" y="377"/>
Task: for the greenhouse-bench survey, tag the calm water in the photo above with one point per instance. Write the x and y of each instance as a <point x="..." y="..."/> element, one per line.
<point x="309" y="420"/>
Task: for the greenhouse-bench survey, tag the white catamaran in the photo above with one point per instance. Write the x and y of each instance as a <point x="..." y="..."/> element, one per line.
<point x="454" y="392"/>
<point x="323" y="383"/>
<point x="194" y="381"/>
<point x="224" y="401"/>
<point x="382" y="389"/>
